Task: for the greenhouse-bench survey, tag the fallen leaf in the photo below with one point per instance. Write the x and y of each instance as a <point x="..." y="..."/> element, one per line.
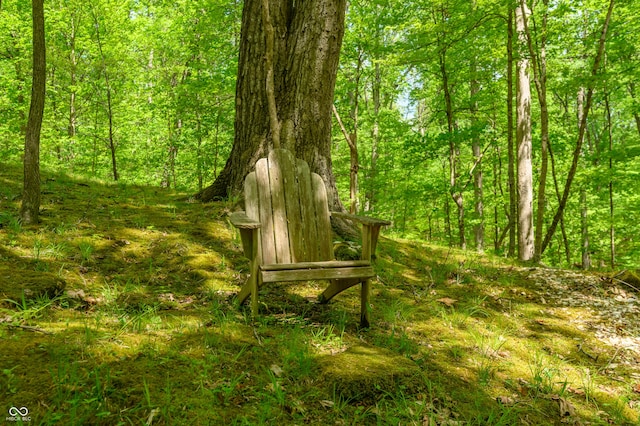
<point x="579" y="392"/>
<point x="505" y="400"/>
<point x="152" y="414"/>
<point x="326" y="403"/>
<point x="566" y="408"/>
<point x="636" y="388"/>
<point x="447" y="301"/>
<point x="76" y="294"/>
<point x="276" y="370"/>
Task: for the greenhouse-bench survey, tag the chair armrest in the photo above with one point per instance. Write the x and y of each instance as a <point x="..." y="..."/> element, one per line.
<point x="242" y="221"/>
<point x="369" y="221"/>
<point x="249" y="233"/>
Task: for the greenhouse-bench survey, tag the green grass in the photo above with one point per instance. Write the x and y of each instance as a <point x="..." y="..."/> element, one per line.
<point x="118" y="309"/>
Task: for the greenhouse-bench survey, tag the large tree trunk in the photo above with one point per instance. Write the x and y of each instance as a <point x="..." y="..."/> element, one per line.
<point x="307" y="41"/>
<point x="523" y="137"/>
<point x="31" y="191"/>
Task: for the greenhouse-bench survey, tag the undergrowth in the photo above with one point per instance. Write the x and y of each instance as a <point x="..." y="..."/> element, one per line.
<point x="118" y="309"/>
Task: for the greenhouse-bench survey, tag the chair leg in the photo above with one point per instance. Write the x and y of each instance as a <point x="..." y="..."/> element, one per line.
<point x="254" y="295"/>
<point x="336" y="287"/>
<point x="364" y="303"/>
<point x="245" y="291"/>
<point x="250" y="288"/>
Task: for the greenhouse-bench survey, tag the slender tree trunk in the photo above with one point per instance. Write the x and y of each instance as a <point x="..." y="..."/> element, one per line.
<point x="447" y="212"/>
<point x="370" y="196"/>
<point x="352" y="138"/>
<point x="631" y="87"/>
<point x="30" y="207"/>
<point x="565" y="239"/>
<point x="523" y="136"/>
<point x="539" y="65"/>
<point x="112" y="143"/>
<point x="199" y="159"/>
<point x="612" y="233"/>
<point x="307" y="41"/>
<point x="216" y="142"/>
<point x="456" y="194"/>
<point x="581" y="132"/>
<point x="73" y="59"/>
<point x="353" y="171"/>
<point x="511" y="174"/>
<point x="478" y="197"/>
<point x="586" y="258"/>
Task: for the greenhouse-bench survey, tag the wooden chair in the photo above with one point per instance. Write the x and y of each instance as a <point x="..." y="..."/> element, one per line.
<point x="286" y="232"/>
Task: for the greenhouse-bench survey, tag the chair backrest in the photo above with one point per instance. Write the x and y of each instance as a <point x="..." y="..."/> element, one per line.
<point x="291" y="204"/>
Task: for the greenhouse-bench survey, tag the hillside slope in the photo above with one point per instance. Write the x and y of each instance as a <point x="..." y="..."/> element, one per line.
<point x="118" y="309"/>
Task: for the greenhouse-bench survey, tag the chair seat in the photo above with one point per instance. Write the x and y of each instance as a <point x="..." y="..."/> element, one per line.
<point x="327" y="270"/>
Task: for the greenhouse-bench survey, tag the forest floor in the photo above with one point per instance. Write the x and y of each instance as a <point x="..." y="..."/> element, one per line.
<point x="118" y="309"/>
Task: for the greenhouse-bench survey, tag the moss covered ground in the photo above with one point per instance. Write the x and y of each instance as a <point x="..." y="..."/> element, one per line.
<point x="118" y="309"/>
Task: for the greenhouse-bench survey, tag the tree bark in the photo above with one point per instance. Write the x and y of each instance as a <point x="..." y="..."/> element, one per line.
<point x="586" y="258"/>
<point x="307" y="40"/>
<point x="73" y="60"/>
<point x="511" y="178"/>
<point x="539" y="65"/>
<point x="612" y="229"/>
<point x="523" y="136"/>
<point x="478" y="196"/>
<point x="30" y="207"/>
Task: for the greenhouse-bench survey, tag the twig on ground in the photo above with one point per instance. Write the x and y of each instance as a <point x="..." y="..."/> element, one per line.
<point x="610" y="361"/>
<point x="626" y="283"/>
<point x="29" y="328"/>
<point x="255" y="333"/>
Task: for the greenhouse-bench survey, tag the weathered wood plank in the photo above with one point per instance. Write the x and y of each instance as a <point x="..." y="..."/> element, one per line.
<point x="361" y="219"/>
<point x="317" y="274"/>
<point x="292" y="201"/>
<point x="266" y="215"/>
<point x="277" y="162"/>
<point x="307" y="212"/>
<point x="329" y="264"/>
<point x="251" y="197"/>
<point x="243" y="221"/>
<point x="325" y="248"/>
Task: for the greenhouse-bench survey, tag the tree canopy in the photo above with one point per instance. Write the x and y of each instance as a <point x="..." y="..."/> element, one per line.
<point x="144" y="91"/>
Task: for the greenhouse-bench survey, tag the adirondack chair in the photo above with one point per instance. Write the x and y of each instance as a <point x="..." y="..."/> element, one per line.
<point x="286" y="232"/>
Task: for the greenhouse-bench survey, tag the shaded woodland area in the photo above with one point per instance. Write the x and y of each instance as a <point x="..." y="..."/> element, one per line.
<point x="501" y="139"/>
